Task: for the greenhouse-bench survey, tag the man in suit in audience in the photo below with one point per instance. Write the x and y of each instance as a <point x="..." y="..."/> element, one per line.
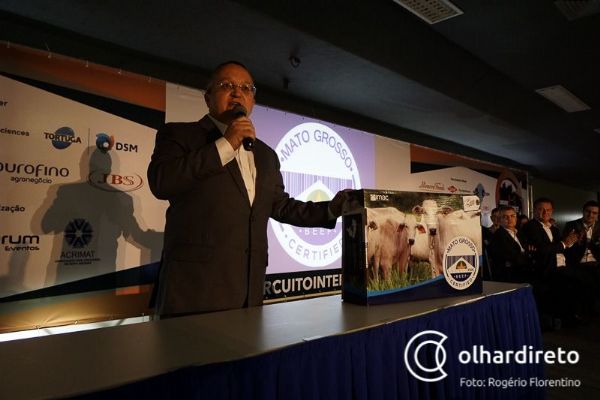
<point x="555" y="288"/>
<point x="583" y="256"/>
<point x="221" y="197"/>
<point x="544" y="240"/>
<point x="487" y="233"/>
<point x="510" y="261"/>
<point x="586" y="250"/>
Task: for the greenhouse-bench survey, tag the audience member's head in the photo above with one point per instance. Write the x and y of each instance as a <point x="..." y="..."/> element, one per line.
<point x="542" y="210"/>
<point x="590" y="212"/>
<point x="508" y="217"/>
<point x="495" y="217"/>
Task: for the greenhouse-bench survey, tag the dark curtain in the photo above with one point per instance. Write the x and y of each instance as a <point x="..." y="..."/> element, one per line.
<point x="369" y="364"/>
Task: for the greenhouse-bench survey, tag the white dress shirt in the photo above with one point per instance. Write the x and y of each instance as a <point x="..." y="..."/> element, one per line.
<point x="244" y="158"/>
<point x="588" y="256"/>
<point x="561" y="261"/>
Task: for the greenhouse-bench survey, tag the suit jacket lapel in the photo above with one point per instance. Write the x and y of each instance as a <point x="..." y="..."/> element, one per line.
<point x="236" y="175"/>
<point x="212" y="132"/>
<point x="543" y="233"/>
<point x="596" y="231"/>
<point x="232" y="167"/>
<point x="511" y="241"/>
<point x="260" y="160"/>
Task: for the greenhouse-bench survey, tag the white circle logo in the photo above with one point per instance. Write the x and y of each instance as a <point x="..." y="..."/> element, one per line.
<point x="415" y="363"/>
<point x="461" y="262"/>
<point x="316" y="163"/>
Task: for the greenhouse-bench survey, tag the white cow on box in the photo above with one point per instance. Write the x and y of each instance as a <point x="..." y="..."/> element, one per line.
<point x="387" y="240"/>
<point x="418" y="240"/>
<point x="430" y="212"/>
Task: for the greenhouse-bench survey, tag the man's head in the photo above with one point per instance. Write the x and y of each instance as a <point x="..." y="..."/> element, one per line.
<point x="542" y="209"/>
<point x="508" y="217"/>
<point x="495" y="217"/>
<point x="590" y="212"/>
<point x="230" y="85"/>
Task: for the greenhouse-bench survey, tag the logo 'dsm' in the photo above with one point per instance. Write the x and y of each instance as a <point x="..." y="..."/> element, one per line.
<point x="104" y="142"/>
<point x="415" y="356"/>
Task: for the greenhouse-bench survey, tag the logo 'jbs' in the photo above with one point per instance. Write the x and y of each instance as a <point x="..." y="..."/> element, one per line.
<point x="113" y="182"/>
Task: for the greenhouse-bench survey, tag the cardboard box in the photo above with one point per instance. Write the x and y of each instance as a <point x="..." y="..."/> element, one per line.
<point x="404" y="246"/>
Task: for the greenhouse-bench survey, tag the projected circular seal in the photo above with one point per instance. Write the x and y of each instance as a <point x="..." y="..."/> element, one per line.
<point x="315" y="164"/>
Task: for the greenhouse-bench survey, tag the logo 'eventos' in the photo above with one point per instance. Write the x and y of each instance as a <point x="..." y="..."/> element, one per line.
<point x="315" y="163"/>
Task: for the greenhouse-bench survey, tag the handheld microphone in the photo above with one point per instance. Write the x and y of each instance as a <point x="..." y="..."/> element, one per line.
<point x="240" y="111"/>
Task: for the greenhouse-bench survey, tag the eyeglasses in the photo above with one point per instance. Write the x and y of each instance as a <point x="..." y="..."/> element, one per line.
<point x="245" y="88"/>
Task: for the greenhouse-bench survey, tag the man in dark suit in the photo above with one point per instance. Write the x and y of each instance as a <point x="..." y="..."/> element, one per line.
<point x="487" y="233"/>
<point x="586" y="250"/>
<point x="545" y="240"/>
<point x="220" y="199"/>
<point x="584" y="255"/>
<point x="510" y="261"/>
<point x="555" y="288"/>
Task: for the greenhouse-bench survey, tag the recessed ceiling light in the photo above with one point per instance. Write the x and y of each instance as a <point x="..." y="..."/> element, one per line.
<point x="563" y="98"/>
<point x="431" y="11"/>
<point x="597" y="130"/>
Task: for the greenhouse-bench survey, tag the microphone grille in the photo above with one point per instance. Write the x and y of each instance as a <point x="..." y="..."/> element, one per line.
<point x="239" y="111"/>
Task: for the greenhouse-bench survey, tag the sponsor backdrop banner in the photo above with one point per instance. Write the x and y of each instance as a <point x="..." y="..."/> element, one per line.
<point x="74" y="199"/>
<point x="75" y="204"/>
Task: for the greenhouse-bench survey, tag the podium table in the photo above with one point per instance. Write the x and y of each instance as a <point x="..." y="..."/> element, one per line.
<point x="321" y="348"/>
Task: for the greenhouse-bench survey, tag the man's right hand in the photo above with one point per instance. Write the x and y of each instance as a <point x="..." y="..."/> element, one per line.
<point x="239" y="129"/>
<point x="571" y="238"/>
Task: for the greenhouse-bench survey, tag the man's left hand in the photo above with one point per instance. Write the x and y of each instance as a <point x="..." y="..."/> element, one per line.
<point x="336" y="204"/>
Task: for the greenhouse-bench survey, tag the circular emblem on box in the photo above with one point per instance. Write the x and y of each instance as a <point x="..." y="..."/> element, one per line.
<point x="461" y="262"/>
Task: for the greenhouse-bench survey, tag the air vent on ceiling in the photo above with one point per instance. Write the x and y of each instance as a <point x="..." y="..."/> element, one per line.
<point x="431" y="11"/>
<point x="563" y="98"/>
<point x="574" y="9"/>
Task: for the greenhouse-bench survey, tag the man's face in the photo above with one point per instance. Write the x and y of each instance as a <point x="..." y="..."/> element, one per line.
<point x="495" y="217"/>
<point x="221" y="101"/>
<point x="590" y="215"/>
<point x="543" y="212"/>
<point x="508" y="219"/>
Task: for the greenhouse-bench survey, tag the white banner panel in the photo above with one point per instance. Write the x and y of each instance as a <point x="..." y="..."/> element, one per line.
<point x="458" y="180"/>
<point x="75" y="201"/>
